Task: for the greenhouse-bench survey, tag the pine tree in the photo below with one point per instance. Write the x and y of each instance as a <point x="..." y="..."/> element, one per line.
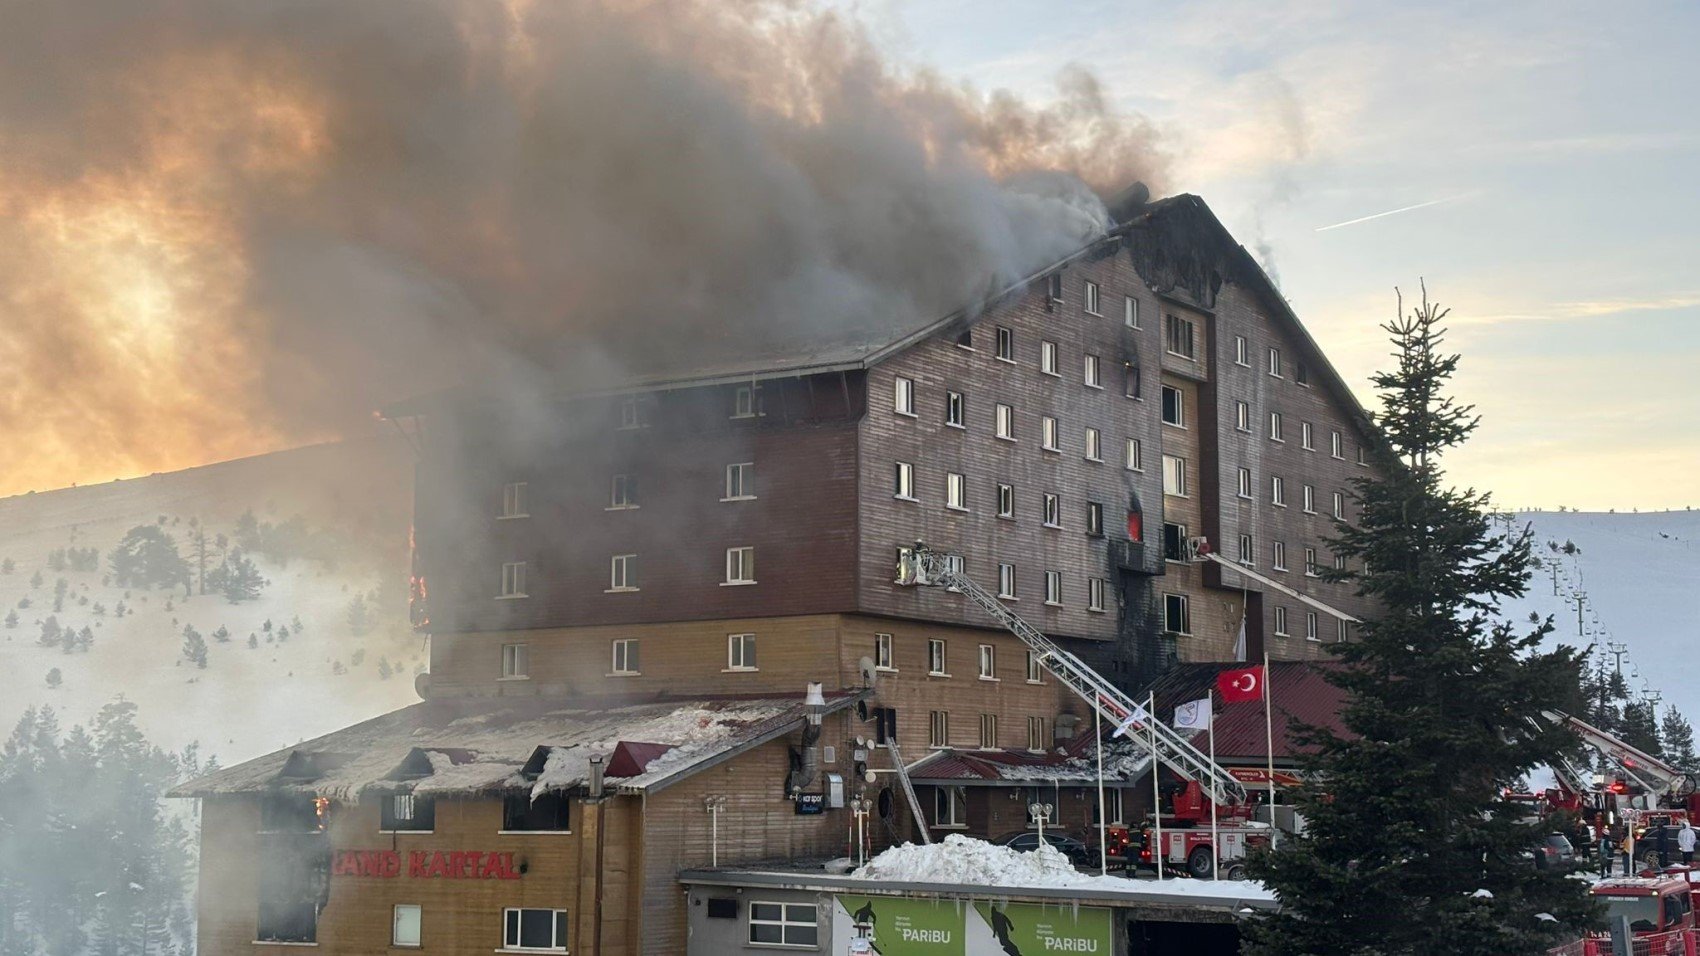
<point x="7" y="566"/>
<point x="359" y="615"/>
<point x="11" y="619"/>
<point x="1678" y="737"/>
<point x="194" y="646"/>
<point x="1444" y="710"/>
<point x="54" y="678"/>
<point x="50" y="631"/>
<point x="147" y="557"/>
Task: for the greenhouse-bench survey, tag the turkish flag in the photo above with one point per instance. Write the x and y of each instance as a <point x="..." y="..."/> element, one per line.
<point x="1240" y="685"/>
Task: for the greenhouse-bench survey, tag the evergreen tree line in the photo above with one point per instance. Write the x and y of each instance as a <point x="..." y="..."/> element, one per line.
<point x="147" y="557"/>
<point x="1610" y="706"/>
<point x="91" y="862"/>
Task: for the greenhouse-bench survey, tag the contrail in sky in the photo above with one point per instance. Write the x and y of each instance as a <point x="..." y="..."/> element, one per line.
<point x="1390" y="212"/>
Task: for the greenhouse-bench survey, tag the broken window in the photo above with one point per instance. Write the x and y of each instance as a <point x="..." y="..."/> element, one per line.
<point x="549" y="811"/>
<point x="406" y="812"/>
<point x="1178" y="336"/>
<point x="535" y="929"/>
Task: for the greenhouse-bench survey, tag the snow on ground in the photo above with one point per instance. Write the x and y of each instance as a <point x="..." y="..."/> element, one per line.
<point x="962" y="859"/>
<point x="1640" y="574"/>
<point x="247" y="701"/>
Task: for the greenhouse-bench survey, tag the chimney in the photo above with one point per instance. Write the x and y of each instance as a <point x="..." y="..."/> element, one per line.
<point x="596" y="778"/>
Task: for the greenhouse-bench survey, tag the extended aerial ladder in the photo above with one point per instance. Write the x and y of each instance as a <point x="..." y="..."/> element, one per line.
<point x="922" y="566"/>
<point x="1659" y="779"/>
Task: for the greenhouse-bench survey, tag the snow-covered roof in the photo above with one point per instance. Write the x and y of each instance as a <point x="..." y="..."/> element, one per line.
<point x="481" y="745"/>
<point x="1074" y="763"/>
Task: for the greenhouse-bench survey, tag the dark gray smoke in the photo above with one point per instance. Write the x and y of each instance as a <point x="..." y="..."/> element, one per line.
<point x="227" y="224"/>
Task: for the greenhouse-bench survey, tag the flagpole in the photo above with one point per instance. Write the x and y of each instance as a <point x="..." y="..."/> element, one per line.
<point x="1156" y="790"/>
<point x="1269" y="741"/>
<point x="1215" y="834"/>
<point x="1103" y="844"/>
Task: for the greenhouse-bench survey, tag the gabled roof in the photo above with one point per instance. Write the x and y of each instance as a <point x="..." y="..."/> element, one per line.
<point x="1299" y="694"/>
<point x="468" y="746"/>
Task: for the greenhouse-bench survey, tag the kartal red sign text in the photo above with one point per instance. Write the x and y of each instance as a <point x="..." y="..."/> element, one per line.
<point x="453" y="865"/>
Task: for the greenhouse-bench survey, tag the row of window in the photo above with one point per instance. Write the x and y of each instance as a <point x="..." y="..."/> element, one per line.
<point x="624" y="660"/>
<point x="526" y="929"/>
<point x="938" y="732"/>
<point x="1175" y="549"/>
<point x="956" y="498"/>
<point x="1003" y="421"/>
<point x="623" y="573"/>
<point x="623" y="491"/>
<point x="1095" y="587"/>
<point x="1175" y="414"/>
<point x="950" y="809"/>
<point x="1177" y="619"/>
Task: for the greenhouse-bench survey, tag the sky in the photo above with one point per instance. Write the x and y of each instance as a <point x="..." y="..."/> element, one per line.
<point x="1551" y="149"/>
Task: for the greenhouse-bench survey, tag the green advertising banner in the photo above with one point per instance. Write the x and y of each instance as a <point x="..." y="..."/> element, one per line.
<point x="1032" y="929"/>
<point x="895" y="926"/>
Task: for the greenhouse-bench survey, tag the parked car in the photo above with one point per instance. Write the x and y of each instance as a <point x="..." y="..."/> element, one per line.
<point x="1555" y="853"/>
<point x="1027" y="841"/>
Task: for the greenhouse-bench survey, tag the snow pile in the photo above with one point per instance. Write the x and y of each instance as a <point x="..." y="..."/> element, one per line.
<point x="962" y="859"/>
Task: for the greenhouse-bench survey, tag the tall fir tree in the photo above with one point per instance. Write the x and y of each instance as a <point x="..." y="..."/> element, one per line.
<point x="1678" y="738"/>
<point x="1410" y="846"/>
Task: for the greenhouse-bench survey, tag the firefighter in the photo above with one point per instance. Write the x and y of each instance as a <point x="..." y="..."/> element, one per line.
<point x="1605" y="849"/>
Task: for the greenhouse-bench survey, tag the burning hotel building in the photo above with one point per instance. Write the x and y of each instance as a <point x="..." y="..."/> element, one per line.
<point x="628" y="592"/>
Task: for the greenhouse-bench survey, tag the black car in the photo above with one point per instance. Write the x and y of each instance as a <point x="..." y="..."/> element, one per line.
<point x="1028" y="840"/>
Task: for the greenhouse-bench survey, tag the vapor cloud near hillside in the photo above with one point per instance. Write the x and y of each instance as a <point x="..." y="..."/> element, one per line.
<point x="226" y="225"/>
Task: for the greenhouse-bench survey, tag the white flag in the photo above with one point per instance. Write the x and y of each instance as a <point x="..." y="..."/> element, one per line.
<point x="1239" y="642"/>
<point x="1193" y="715"/>
<point x="1137" y="717"/>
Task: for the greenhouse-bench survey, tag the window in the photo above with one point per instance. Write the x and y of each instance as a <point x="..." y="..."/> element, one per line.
<point x="630" y="414"/>
<point x="988" y="731"/>
<point x="1135" y="455"/>
<point x="515" y="662"/>
<point x="1035" y="670"/>
<point x="1242" y="416"/>
<point x="1130" y="312"/>
<point x="955" y="412"/>
<point x="1277" y="491"/>
<point x="1310" y="562"/>
<point x="1301" y="374"/>
<point x="1094" y="519"/>
<point x="536" y="929"/>
<point x="1094" y="594"/>
<point x="784" y="924"/>
<point x="1339" y="562"/>
<point x="1247" y="555"/>
<point x="1174" y="476"/>
<point x="903" y="396"/>
<point x="1006" y="423"/>
<point x="740" y="565"/>
<point x="1310" y="626"/>
<point x="625" y="656"/>
<point x="950" y="806"/>
<point x="1275" y="362"/>
<point x="513" y="579"/>
<point x="1280" y="562"/>
<point x="1006" y="582"/>
<point x="513" y="500"/>
<point x="1305" y="440"/>
<point x="1089" y="373"/>
<point x="623" y="493"/>
<point x="1310" y="499"/>
<point x="1112" y="807"/>
<point x="1174" y="407"/>
<point x="1174" y="541"/>
<point x="1036" y="734"/>
<point x="1336" y="445"/>
<point x="1006" y="344"/>
<point x="1361" y="459"/>
<point x="1048" y="358"/>
<point x="903" y="481"/>
<point x="882" y="652"/>
<point x="744" y="402"/>
<point x="1275" y="427"/>
<point x="1177" y="336"/>
<point x="1245" y="483"/>
<point x="1242" y="352"/>
<point x="935" y="658"/>
<point x="740" y="652"/>
<point x="1006" y="501"/>
<point x="547" y="813"/>
<point x="1177" y="616"/>
<point x="938" y="729"/>
<point x="1053" y="588"/>
<point x="1053" y="511"/>
<point x="1094" y="445"/>
<point x="1280" y="622"/>
<point x="404" y="925"/>
<point x="1048" y="433"/>
<point x="1053" y="287"/>
<point x="966" y="339"/>
<point x="1130" y="379"/>
<point x="955" y="492"/>
<point x="1342" y="630"/>
<point x="405" y="812"/>
<point x="1092" y="298"/>
<point x="622" y="573"/>
<point x="988" y="662"/>
<point x="740" y="481"/>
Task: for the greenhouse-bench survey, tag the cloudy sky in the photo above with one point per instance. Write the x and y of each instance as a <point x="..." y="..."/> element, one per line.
<point x="1556" y="146"/>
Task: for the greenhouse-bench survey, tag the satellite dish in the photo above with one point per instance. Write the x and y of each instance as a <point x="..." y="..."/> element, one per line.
<point x="870" y="673"/>
<point x="422" y="685"/>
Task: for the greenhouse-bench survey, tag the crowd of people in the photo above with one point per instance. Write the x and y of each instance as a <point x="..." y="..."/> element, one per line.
<point x="1613" y="843"/>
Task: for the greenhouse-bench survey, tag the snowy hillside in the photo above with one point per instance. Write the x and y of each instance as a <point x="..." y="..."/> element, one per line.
<point x="1639" y="575"/>
<point x="316" y="667"/>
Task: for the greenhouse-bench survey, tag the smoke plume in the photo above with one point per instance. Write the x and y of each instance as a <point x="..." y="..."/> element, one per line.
<point x="231" y="224"/>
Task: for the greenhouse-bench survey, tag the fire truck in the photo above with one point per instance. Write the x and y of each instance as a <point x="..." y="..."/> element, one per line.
<point x="1185" y="844"/>
<point x="1660" y="912"/>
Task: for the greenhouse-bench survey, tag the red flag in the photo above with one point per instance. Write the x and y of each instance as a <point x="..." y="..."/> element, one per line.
<point x="1240" y="685"/>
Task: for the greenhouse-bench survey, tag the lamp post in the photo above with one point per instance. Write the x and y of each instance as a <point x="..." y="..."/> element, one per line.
<point x="1040" y="814"/>
<point x="859" y="807"/>
<point x="714" y="803"/>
